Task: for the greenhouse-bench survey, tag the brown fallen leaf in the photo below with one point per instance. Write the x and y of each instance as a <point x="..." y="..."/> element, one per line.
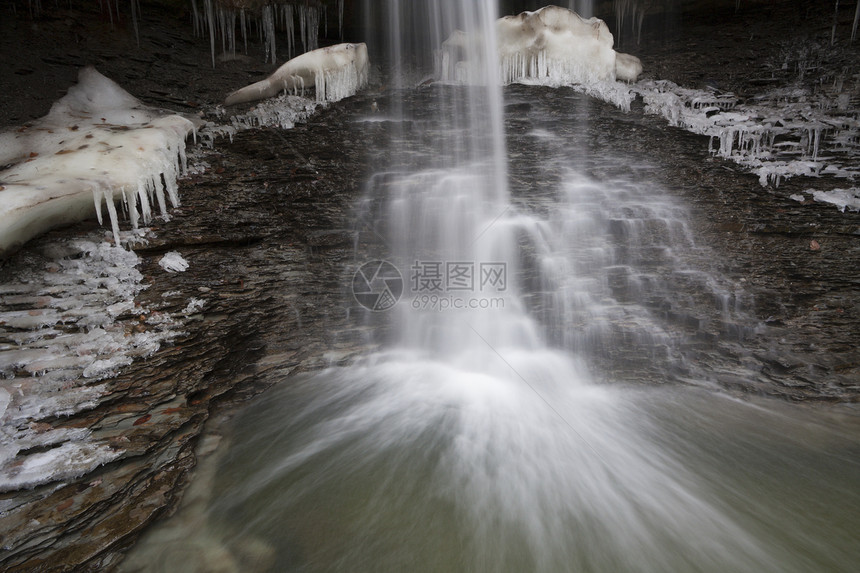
<point x="813" y="245"/>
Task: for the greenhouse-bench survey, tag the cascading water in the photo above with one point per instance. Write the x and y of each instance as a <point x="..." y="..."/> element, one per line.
<point x="477" y="439"/>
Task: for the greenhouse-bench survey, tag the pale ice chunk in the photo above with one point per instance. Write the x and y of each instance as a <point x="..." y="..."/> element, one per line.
<point x="552" y="46"/>
<point x="797" y="197"/>
<point x="335" y="72"/>
<point x="173" y="262"/>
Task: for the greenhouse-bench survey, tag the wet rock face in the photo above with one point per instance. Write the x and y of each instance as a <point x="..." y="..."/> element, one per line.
<point x="788" y="332"/>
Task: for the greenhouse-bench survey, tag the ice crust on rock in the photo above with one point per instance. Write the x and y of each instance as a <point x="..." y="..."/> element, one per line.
<point x="335" y="72"/>
<point x="283" y="112"/>
<point x="841" y="198"/>
<point x="552" y="46"/>
<point x="97" y="146"/>
<point x="782" y="134"/>
<point x="68" y="324"/>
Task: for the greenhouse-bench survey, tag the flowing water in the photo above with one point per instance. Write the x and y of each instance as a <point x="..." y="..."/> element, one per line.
<point x="480" y="438"/>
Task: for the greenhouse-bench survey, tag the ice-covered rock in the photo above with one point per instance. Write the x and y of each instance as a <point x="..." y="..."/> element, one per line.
<point x="335" y="72"/>
<point x="69" y="323"/>
<point x="778" y="135"/>
<point x="282" y="112"/>
<point x="553" y="46"/>
<point x="98" y="145"/>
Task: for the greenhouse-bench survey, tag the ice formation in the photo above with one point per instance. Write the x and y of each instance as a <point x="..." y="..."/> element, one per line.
<point x="778" y="135"/>
<point x="551" y="46"/>
<point x="173" y="262"/>
<point x="218" y="19"/>
<point x="97" y="145"/>
<point x="841" y="198"/>
<point x="335" y="72"/>
<point x="282" y="112"/>
<point x="64" y="330"/>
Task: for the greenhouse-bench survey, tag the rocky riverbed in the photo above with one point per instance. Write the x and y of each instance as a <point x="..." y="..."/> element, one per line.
<point x="269" y="228"/>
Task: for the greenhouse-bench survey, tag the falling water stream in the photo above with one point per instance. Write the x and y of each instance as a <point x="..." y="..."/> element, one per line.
<point x="480" y="439"/>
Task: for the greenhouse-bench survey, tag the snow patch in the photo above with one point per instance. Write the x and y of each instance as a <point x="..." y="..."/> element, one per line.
<point x="552" y="46"/>
<point x="97" y="146"/>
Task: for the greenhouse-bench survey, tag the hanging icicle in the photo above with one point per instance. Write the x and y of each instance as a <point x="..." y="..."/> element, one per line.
<point x="269" y="33"/>
<point x="856" y="20"/>
<point x="135" y="17"/>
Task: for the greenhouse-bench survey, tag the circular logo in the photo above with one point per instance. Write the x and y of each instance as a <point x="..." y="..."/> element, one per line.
<point x="377" y="285"/>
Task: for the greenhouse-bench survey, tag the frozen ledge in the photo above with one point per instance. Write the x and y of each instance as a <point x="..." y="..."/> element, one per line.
<point x="98" y="145"/>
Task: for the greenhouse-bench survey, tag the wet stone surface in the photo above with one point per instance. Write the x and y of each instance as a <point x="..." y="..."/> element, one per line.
<point x="790" y="266"/>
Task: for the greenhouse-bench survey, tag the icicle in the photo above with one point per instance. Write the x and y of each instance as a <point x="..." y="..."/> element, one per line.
<point x="309" y="20"/>
<point x="135" y="15"/>
<point x="816" y="139"/>
<point x="856" y="20"/>
<point x="114" y="222"/>
<point x="639" y="19"/>
<point x="232" y="29"/>
<point x="145" y="208"/>
<point x="129" y="197"/>
<point x="155" y="187"/>
<point x="269" y="30"/>
<point x="302" y="26"/>
<point x="195" y="19"/>
<point x="835" y="18"/>
<point x="97" y="200"/>
<point x="210" y="20"/>
<point x="290" y="22"/>
<point x="243" y="23"/>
